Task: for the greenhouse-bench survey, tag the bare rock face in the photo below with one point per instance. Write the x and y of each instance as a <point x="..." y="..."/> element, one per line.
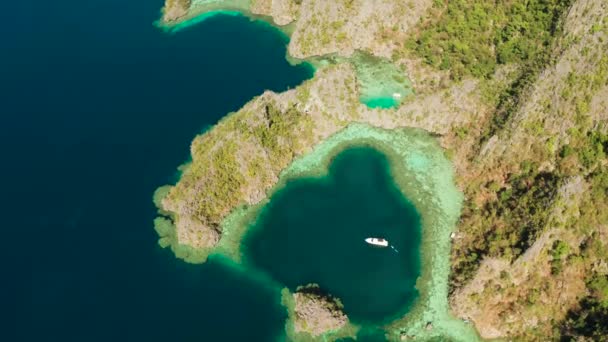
<point x="343" y="26"/>
<point x="283" y="12"/>
<point x="175" y="9"/>
<point x="503" y="297"/>
<point x="317" y="313"/>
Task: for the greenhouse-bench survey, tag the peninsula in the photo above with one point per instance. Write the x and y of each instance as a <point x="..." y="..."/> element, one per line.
<point x="499" y="122"/>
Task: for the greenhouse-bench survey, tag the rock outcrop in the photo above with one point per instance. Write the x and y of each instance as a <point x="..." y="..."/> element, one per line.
<point x="317" y="313"/>
<point x="282" y="12"/>
<point x="175" y="9"/>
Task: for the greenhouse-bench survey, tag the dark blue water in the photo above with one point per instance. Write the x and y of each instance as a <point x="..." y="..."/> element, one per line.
<point x="314" y="229"/>
<point x="98" y="107"/>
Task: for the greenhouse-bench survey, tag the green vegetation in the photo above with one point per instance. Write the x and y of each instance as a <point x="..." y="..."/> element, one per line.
<point x="504" y="218"/>
<point x="508" y="225"/>
<point x="583" y="152"/>
<point x="559" y="250"/>
<point x="594" y="148"/>
<point x="279" y="134"/>
<point x="589" y="320"/>
<point x="222" y="169"/>
<point x="472" y="37"/>
<point x="218" y="169"/>
<point x="313" y="291"/>
<point x="590" y="317"/>
<point x="599" y="289"/>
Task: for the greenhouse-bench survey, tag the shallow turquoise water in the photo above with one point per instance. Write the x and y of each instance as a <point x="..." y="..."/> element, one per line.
<point x="367" y="335"/>
<point x="381" y="102"/>
<point x="381" y="83"/>
<point x="313" y="231"/>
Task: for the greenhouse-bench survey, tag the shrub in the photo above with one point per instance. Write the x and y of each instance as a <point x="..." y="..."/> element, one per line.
<point x="472" y="37"/>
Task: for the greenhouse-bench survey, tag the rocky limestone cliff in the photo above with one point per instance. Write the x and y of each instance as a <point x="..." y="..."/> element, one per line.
<point x="317" y="313"/>
<point x="513" y="295"/>
<point x="325" y="27"/>
<point x="175" y="9"/>
<point x="282" y="12"/>
<point x="343" y="26"/>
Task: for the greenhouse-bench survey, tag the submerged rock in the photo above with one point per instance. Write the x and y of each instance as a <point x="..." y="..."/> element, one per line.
<point x="316" y="312"/>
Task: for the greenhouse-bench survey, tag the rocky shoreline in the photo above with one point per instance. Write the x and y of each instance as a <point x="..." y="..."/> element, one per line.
<point x="317" y="313"/>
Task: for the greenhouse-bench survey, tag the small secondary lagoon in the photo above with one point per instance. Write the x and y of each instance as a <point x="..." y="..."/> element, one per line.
<point x="313" y="230"/>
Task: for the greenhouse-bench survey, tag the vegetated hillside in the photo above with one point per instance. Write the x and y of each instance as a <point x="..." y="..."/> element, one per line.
<point x="236" y="161"/>
<point x="282" y="12"/>
<point x="530" y="256"/>
<point x="471" y="38"/>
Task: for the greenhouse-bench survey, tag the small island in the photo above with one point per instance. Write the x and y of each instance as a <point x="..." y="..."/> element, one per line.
<point x="315" y="312"/>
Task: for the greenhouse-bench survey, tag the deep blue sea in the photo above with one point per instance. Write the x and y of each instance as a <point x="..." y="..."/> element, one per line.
<point x="98" y="107"/>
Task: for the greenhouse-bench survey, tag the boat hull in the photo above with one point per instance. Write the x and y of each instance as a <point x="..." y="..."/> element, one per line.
<point x="377" y="242"/>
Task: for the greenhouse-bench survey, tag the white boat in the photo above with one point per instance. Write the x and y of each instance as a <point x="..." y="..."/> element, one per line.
<point x="377" y="241"/>
<point x="396" y="95"/>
